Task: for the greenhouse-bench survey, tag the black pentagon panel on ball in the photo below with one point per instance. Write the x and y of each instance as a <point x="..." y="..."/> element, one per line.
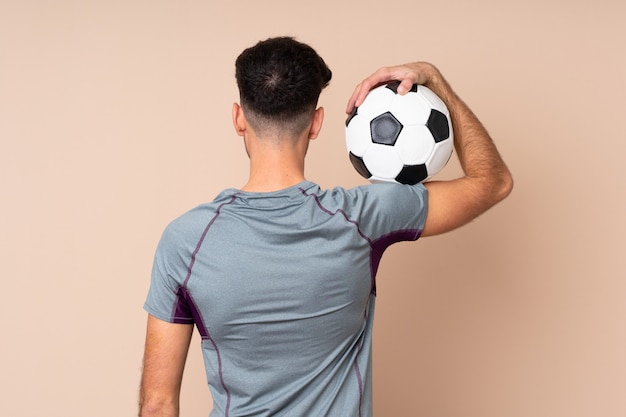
<point x="385" y="129"/>
<point x="393" y="86"/>
<point x="359" y="165"/>
<point x="412" y="174"/>
<point x="438" y="125"/>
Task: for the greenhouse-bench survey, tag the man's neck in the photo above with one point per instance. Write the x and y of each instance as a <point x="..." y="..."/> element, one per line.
<point x="274" y="168"/>
<point x="260" y="186"/>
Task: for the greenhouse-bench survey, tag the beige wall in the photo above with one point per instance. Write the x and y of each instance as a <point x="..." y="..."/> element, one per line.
<point x="115" y="117"/>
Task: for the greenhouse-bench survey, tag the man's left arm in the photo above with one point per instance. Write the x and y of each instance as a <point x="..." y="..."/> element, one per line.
<point x="164" y="360"/>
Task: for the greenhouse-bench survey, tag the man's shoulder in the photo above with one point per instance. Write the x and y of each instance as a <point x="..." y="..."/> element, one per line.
<point x="387" y="192"/>
<point x="195" y="219"/>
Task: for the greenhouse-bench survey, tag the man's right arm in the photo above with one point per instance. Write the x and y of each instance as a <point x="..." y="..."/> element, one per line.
<point x="486" y="180"/>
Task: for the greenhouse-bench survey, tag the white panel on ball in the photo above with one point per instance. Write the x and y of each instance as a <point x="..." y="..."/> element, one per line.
<point x="433" y="99"/>
<point x="382" y="161"/>
<point x="412" y="151"/>
<point x="410" y="109"/>
<point x="358" y="137"/>
<point x="376" y="103"/>
<point x="440" y="156"/>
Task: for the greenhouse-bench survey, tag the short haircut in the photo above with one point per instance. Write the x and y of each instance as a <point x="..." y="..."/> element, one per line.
<point x="280" y="81"/>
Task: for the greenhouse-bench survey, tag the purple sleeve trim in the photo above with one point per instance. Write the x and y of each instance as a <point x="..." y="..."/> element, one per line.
<point x="381" y="244"/>
<point x="188" y="307"/>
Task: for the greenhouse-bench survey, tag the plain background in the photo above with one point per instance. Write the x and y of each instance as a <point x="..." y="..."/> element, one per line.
<point x="115" y="118"/>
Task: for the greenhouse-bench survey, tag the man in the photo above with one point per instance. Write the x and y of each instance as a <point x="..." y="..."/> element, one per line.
<point x="279" y="276"/>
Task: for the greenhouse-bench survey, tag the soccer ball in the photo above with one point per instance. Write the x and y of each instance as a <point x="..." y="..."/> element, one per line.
<point x="399" y="138"/>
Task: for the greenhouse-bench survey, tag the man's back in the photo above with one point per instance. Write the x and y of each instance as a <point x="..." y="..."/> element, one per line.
<point x="281" y="283"/>
<point x="281" y="287"/>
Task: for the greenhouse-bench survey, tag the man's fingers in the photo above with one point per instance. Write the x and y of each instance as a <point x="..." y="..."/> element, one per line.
<point x="408" y="75"/>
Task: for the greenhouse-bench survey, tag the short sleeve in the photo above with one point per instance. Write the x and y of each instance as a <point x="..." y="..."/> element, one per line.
<point x="390" y="210"/>
<point x="167" y="300"/>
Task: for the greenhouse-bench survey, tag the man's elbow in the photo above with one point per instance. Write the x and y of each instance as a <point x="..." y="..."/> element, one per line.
<point x="492" y="189"/>
<point x="499" y="187"/>
<point x="502" y="186"/>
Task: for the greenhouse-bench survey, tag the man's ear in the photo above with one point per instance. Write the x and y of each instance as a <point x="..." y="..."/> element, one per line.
<point x="316" y="123"/>
<point x="239" y="120"/>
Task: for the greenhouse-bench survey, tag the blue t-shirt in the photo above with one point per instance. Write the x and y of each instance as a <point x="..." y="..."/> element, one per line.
<point x="281" y="287"/>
